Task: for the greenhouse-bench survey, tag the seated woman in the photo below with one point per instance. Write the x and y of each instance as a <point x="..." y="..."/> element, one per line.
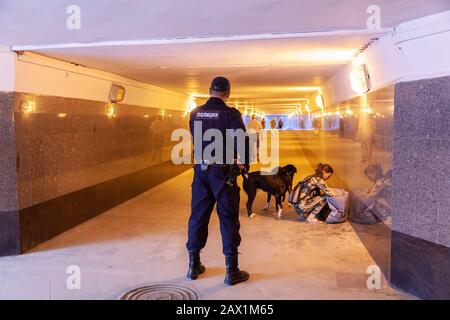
<point x="314" y="192"/>
<point x="376" y="201"/>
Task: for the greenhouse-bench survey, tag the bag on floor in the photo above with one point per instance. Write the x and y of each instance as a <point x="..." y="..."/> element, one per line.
<point x="336" y="215"/>
<point x="337" y="206"/>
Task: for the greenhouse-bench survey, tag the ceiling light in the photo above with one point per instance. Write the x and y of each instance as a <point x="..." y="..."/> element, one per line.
<point x="360" y="79"/>
<point x="192" y="105"/>
<point x="302" y="89"/>
<point x="117" y="93"/>
<point x="367" y="110"/>
<point x="27" y="106"/>
<point x="308" y="108"/>
<point x="328" y="56"/>
<point x="319" y="101"/>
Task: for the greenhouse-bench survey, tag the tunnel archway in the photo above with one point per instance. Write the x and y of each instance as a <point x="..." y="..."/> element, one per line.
<point x="87" y="178"/>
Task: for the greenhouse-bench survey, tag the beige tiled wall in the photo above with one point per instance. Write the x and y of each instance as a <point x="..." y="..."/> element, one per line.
<point x="68" y="144"/>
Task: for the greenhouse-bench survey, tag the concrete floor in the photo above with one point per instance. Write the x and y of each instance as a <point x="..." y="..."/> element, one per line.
<point x="143" y="241"/>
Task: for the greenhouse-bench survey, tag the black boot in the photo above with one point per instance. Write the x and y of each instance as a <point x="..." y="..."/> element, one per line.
<point x="195" y="266"/>
<point x="234" y="275"/>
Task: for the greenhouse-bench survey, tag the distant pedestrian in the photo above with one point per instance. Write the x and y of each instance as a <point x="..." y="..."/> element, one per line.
<point x="280" y="124"/>
<point x="273" y="123"/>
<point x="254" y="131"/>
<point x="341" y="128"/>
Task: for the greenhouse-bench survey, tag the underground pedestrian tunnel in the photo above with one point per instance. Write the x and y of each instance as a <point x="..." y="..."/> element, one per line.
<point x="87" y="176"/>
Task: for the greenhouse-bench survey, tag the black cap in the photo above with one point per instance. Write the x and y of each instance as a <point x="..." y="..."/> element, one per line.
<point x="220" y="84"/>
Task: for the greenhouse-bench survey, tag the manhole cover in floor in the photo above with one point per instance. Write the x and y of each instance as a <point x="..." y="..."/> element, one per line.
<point x="160" y="292"/>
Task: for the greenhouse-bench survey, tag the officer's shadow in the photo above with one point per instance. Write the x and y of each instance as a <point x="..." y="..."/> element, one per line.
<point x="218" y="273"/>
<point x="220" y="286"/>
<point x="209" y="273"/>
<point x="213" y="272"/>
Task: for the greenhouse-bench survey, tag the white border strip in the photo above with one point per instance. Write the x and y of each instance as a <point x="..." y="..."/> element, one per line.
<point x="269" y="36"/>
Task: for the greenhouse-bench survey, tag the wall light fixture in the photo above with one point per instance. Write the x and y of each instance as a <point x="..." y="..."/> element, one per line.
<point x="28" y="106"/>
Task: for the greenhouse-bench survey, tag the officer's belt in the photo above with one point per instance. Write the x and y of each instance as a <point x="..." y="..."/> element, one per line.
<point x="205" y="165"/>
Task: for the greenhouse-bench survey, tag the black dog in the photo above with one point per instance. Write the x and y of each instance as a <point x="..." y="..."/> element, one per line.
<point x="275" y="183"/>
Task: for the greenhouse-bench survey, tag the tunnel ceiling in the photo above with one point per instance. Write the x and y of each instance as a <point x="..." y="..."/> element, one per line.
<point x="25" y="22"/>
<point x="171" y="43"/>
<point x="272" y="75"/>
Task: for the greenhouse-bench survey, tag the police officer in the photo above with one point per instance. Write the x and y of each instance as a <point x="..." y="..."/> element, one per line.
<point x="213" y="185"/>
